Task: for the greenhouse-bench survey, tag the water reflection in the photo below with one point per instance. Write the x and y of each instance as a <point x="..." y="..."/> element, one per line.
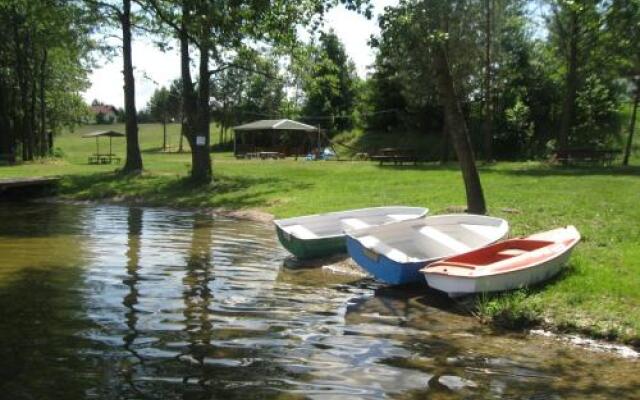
<point x="130" y="301"/>
<point x="41" y="310"/>
<point x="197" y="299"/>
<point x="117" y="302"/>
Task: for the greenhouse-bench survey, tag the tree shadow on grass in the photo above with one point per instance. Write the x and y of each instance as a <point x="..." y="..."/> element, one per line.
<point x="547" y="170"/>
<point x="232" y="192"/>
<point x="420" y="167"/>
<point x="170" y="150"/>
<point x="538" y="170"/>
<point x="157" y="149"/>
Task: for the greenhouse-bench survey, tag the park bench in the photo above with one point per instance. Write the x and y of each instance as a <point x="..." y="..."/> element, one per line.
<point x="395" y="156"/>
<point x="7" y="158"/>
<point x="604" y="157"/>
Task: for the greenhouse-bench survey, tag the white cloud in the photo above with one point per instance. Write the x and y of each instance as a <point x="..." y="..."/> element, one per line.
<point x="153" y="68"/>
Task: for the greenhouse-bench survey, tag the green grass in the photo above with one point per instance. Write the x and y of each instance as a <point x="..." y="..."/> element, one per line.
<point x="599" y="292"/>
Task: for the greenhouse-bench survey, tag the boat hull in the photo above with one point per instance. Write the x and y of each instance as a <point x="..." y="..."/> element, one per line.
<point x="459" y="286"/>
<point x="395" y="253"/>
<point x="383" y="268"/>
<point x="305" y="249"/>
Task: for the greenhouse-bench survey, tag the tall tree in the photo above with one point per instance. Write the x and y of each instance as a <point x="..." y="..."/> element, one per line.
<point x="434" y="37"/>
<point x="454" y="118"/>
<point x="43" y="63"/>
<point x="159" y="107"/>
<point x="201" y="171"/>
<point x="575" y="28"/>
<point x="217" y="28"/>
<point x="489" y="7"/>
<point x="133" y="163"/>
<point x="330" y="85"/>
<point x="632" y="123"/>
<point x="623" y="21"/>
<point x="120" y="15"/>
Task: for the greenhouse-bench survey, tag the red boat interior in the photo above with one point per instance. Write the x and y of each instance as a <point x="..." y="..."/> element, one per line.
<point x="498" y="252"/>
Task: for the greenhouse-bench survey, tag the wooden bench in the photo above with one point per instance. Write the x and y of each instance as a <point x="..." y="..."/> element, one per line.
<point x="604" y="157"/>
<point x="7" y="158"/>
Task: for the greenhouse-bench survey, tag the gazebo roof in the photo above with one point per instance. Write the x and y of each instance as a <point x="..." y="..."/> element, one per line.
<point x="275" y="125"/>
<point x="103" y="133"/>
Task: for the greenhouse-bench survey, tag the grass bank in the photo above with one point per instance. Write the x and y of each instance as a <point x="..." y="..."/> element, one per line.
<point x="598" y="294"/>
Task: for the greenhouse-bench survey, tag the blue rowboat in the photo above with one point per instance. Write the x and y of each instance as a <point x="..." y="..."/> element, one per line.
<point x="395" y="253"/>
<point x="322" y="235"/>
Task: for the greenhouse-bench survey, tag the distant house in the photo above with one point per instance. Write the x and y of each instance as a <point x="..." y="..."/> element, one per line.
<point x="104" y="113"/>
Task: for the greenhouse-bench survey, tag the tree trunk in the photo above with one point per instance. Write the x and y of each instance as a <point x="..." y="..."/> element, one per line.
<point x="188" y="96"/>
<point x="488" y="109"/>
<point x="568" y="107"/>
<point x="21" y="68"/>
<point x="6" y="137"/>
<point x="200" y="150"/>
<point x="44" y="146"/>
<point x="34" y="142"/>
<point x="632" y="126"/>
<point x="133" y="163"/>
<point x="221" y="132"/>
<point x="459" y="134"/>
<point x="444" y="144"/>
<point x="164" y="133"/>
<point x="182" y="134"/>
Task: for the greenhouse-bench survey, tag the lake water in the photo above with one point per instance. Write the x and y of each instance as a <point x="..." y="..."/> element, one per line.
<point x="119" y="302"/>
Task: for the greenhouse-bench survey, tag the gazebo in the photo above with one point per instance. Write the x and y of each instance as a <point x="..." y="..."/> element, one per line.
<point x="247" y="135"/>
<point x="97" y="157"/>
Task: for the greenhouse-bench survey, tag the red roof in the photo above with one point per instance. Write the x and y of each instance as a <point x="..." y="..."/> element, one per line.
<point x="103" y="109"/>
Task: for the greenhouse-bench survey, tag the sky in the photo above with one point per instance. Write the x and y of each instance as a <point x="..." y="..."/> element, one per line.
<point x="154" y="69"/>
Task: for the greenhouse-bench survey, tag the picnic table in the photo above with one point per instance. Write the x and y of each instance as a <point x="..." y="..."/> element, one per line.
<point x="587" y="156"/>
<point x="104" y="159"/>
<point x="395" y="156"/>
<point x="270" y="154"/>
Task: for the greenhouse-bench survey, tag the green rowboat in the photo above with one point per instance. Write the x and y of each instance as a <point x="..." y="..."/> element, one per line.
<point x="322" y="235"/>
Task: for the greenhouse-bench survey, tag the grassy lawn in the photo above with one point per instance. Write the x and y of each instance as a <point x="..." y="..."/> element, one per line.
<point x="598" y="294"/>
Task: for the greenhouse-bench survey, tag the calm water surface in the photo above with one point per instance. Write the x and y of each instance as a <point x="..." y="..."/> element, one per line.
<point x="117" y="302"/>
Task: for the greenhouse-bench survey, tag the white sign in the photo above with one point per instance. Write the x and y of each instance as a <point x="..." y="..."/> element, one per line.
<point x="201" y="141"/>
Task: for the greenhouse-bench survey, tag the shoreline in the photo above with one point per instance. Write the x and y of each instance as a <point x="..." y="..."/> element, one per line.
<point x="250" y="214"/>
<point x="508" y="318"/>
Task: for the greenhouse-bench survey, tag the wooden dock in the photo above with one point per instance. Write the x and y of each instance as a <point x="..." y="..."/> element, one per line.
<point x="36" y="184"/>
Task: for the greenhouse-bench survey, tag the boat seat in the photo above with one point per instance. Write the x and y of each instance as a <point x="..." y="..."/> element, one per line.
<point x="300" y="231"/>
<point x="511" y="252"/>
<point x="401" y="217"/>
<point x="444" y="239"/>
<point x="457" y="264"/>
<point x="372" y="243"/>
<point x="354" y="223"/>
<point x="480" y="230"/>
